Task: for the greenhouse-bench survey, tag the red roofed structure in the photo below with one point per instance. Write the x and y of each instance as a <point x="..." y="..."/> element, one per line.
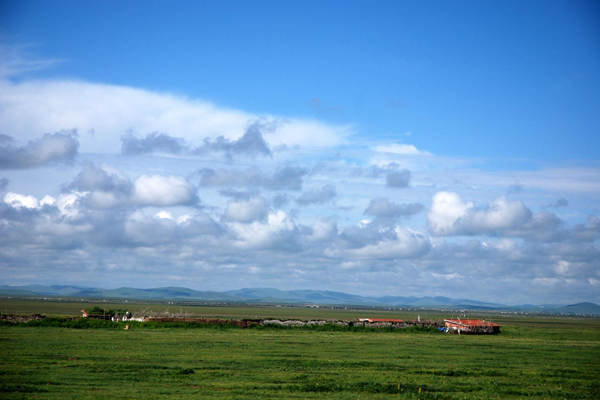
<point x="476" y="326"/>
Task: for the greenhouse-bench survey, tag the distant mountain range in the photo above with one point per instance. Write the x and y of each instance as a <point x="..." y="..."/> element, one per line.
<point x="269" y="295"/>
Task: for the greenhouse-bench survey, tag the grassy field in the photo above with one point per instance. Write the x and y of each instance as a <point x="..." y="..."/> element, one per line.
<point x="540" y="357"/>
<point x="71" y="308"/>
<point x="54" y="308"/>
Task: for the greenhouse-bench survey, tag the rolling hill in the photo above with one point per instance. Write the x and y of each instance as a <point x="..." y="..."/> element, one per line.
<point x="270" y="295"/>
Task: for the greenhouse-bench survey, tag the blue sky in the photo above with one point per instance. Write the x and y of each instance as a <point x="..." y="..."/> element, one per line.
<point x="488" y="78"/>
<point x="331" y="145"/>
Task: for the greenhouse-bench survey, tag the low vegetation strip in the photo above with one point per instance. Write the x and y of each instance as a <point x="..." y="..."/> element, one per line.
<point x="88" y="323"/>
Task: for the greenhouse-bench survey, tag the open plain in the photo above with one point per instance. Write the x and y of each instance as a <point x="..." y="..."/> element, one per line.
<point x="534" y="356"/>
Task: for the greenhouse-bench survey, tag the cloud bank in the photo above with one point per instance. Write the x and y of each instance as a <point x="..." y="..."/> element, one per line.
<point x="50" y="148"/>
<point x="102" y="114"/>
<point x="164" y="189"/>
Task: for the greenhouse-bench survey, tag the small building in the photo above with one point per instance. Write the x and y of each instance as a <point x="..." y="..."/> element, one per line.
<point x="471" y="326"/>
<point x="85" y="314"/>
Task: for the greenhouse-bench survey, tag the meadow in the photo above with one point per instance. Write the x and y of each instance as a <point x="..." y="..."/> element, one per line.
<point x="534" y="356"/>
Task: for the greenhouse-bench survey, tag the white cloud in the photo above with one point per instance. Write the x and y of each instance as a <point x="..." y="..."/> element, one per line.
<point x="323" y="229"/>
<point x="105" y="187"/>
<point x="46" y="235"/>
<point x="163" y="215"/>
<point x="148" y="230"/>
<point x="17" y="200"/>
<point x="102" y="199"/>
<point x="500" y="214"/>
<point x="562" y="267"/>
<point x="47" y="201"/>
<point x="450" y="215"/>
<point x="402" y="243"/>
<point x="276" y="230"/>
<point x="68" y="204"/>
<point x="446" y="209"/>
<point x="103" y="113"/>
<point x="160" y="190"/>
<point x="50" y="148"/>
<point x="246" y="211"/>
<point x="402" y="149"/>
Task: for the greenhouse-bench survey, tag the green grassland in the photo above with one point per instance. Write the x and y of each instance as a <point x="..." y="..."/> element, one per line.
<point x="52" y="307"/>
<point x="539" y="357"/>
<point x="69" y="308"/>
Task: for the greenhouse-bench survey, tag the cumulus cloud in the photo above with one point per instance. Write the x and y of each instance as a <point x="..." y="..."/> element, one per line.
<point x="186" y="240"/>
<point x="278" y="232"/>
<point x="17" y="200"/>
<point x="287" y="178"/>
<point x="391" y="244"/>
<point x="323" y="229"/>
<point x="101" y="113"/>
<point x="318" y="196"/>
<point x="93" y="178"/>
<point x="196" y="225"/>
<point x="145" y="221"/>
<point x="543" y="226"/>
<point x="446" y="210"/>
<point x="589" y="232"/>
<point x="162" y="228"/>
<point x="66" y="206"/>
<point x="154" y="142"/>
<point x="450" y="215"/>
<point x="562" y="267"/>
<point x="158" y="190"/>
<point x="103" y="187"/>
<point x="384" y="209"/>
<point x="246" y="210"/>
<point x="146" y="230"/>
<point x="398" y="179"/>
<point x="500" y="214"/>
<point x="250" y="143"/>
<point x="362" y="234"/>
<point x="290" y="178"/>
<point x="406" y="244"/>
<point x="50" y="148"/>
